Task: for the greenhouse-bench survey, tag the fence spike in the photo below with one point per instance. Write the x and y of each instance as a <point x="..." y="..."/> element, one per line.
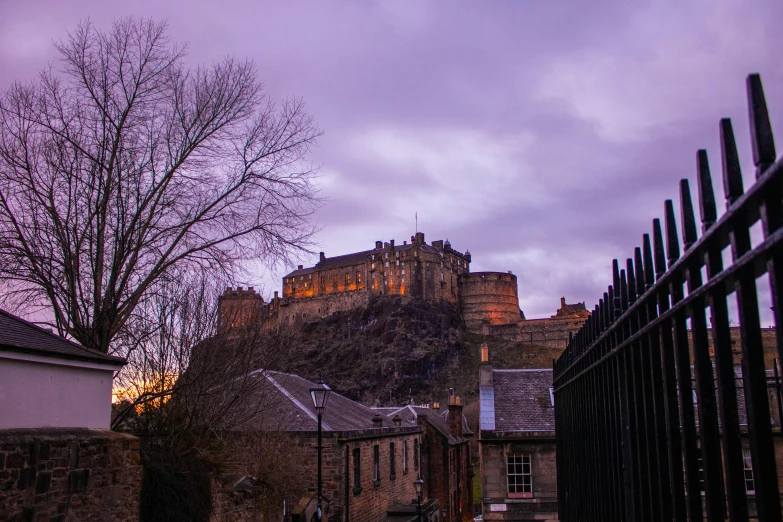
<point x="689" y="235"/>
<point x="660" y="255"/>
<point x="631" y="281"/>
<point x="615" y="274"/>
<point x="761" y="137"/>
<point x="600" y="313"/>
<point x="672" y="244"/>
<point x="732" y="173"/>
<point x="640" y="274"/>
<point x="649" y="269"/>
<point x="623" y="291"/>
<point x="707" y="208"/>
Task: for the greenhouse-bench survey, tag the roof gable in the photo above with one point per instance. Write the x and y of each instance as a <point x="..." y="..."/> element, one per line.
<point x="18" y="335"/>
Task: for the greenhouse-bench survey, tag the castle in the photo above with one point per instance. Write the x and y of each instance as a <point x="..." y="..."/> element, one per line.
<point x="488" y="301"/>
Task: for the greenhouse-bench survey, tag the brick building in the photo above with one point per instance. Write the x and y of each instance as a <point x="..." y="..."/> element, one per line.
<point x="517" y="444"/>
<point x="446" y="460"/>
<point x="370" y="460"/>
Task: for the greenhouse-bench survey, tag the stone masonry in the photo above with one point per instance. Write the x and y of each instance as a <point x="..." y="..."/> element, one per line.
<point x="69" y="474"/>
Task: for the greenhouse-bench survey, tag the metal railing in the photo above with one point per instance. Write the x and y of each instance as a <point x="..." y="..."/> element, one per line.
<point x="650" y="424"/>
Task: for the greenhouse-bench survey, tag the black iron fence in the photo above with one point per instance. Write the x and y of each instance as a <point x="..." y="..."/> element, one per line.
<point x="651" y="424"/>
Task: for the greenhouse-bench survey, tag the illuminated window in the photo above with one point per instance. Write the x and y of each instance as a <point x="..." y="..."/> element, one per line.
<point x="520" y="476"/>
<point x="358" y="277"/>
<point x="347" y="278"/>
<point x="403" y="271"/>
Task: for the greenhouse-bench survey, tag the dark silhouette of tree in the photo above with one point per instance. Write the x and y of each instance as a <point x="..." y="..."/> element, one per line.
<point x="122" y="164"/>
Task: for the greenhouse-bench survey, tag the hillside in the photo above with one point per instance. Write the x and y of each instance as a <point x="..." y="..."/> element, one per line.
<point x="393" y="349"/>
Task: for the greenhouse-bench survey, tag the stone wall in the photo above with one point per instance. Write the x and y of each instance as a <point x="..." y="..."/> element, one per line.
<point x="488" y="298"/>
<point x="494" y="484"/>
<point x="69" y="474"/>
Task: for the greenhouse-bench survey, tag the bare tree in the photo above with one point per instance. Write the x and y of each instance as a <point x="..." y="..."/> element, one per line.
<point x="121" y="164"/>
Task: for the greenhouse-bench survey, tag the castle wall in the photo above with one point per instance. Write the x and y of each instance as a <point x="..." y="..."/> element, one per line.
<point x="302" y="310"/>
<point x="489" y="298"/>
<point x="551" y="333"/>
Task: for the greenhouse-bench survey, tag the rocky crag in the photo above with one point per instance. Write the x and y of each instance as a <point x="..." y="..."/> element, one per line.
<point x="395" y="349"/>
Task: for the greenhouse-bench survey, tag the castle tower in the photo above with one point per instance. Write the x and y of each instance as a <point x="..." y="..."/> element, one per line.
<point x="239" y="308"/>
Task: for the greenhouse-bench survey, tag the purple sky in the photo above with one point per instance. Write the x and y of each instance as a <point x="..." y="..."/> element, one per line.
<point x="541" y="135"/>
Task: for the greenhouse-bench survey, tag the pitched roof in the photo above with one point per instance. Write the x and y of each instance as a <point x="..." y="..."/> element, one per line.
<point x="294" y="411"/>
<point x="523" y="401"/>
<point x="357" y="258"/>
<point x="18" y="335"/>
<point x="438" y="421"/>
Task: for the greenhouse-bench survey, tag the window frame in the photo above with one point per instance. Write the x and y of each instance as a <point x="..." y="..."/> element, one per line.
<point x="747" y="464"/>
<point x="511" y="460"/>
<point x="392" y="463"/>
<point x="405" y="457"/>
<point x="357" y="468"/>
<point x="376" y="464"/>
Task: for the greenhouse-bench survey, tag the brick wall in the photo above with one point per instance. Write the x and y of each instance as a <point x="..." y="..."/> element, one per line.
<point x="371" y="501"/>
<point x="494" y="484"/>
<point x="69" y="474"/>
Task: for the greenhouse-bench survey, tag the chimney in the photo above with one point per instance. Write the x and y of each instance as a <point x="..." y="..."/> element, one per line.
<point x="562" y="302"/>
<point x="397" y="421"/>
<point x="391" y="244"/>
<point x="485" y="368"/>
<point x="276" y="295"/>
<point x="486" y="392"/>
<point x="299" y="267"/>
<point x="323" y="256"/>
<point x="378" y="245"/>
<point x="377" y="421"/>
<point x="455" y="417"/>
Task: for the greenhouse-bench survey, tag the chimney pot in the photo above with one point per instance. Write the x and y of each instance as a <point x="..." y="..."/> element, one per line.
<point x="275" y="294"/>
<point x="323" y="256"/>
<point x="299" y="267"/>
<point x="377" y="421"/>
<point x="378" y="245"/>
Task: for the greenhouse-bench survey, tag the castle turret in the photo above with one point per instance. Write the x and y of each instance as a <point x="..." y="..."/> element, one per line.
<point x="239" y="308"/>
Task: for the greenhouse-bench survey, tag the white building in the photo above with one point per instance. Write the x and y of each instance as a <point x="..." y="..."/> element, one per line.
<point x="47" y="381"/>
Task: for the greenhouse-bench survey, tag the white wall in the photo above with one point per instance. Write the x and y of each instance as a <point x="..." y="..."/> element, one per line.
<point x="34" y="393"/>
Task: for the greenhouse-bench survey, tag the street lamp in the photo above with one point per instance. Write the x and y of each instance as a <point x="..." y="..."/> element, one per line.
<point x="320" y="394"/>
<point x="417" y="484"/>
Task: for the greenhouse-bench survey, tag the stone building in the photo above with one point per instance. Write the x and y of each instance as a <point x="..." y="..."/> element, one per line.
<point x="58" y="458"/>
<point x="488" y="301"/>
<point x="446" y="460"/>
<point x="370" y="460"/>
<point x="517" y="443"/>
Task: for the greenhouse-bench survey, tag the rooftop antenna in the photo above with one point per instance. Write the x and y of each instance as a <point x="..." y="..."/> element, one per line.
<point x="417" y="221"/>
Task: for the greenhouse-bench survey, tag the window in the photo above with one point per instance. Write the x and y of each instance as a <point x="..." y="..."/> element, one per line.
<point x="373" y="275"/>
<point x="392" y="464"/>
<point x="404" y="456"/>
<point x="750" y="483"/>
<point x="358" y="277"/>
<point x="357" y="469"/>
<point x="387" y="264"/>
<point x="520" y="478"/>
<point x="416" y="454"/>
<point x="376" y="463"/>
<point x="347" y="278"/>
<point x="403" y="271"/>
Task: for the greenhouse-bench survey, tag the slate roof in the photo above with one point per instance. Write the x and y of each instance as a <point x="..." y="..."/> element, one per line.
<point x="293" y="408"/>
<point x="355" y="259"/>
<point x="438" y="421"/>
<point x="522" y="400"/>
<point x="18" y="335"/>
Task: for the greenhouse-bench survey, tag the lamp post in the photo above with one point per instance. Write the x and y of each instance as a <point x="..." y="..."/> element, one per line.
<point x="320" y="394"/>
<point x="417" y="484"/>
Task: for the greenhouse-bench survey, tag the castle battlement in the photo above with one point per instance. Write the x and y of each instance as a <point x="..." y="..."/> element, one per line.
<point x="433" y="271"/>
